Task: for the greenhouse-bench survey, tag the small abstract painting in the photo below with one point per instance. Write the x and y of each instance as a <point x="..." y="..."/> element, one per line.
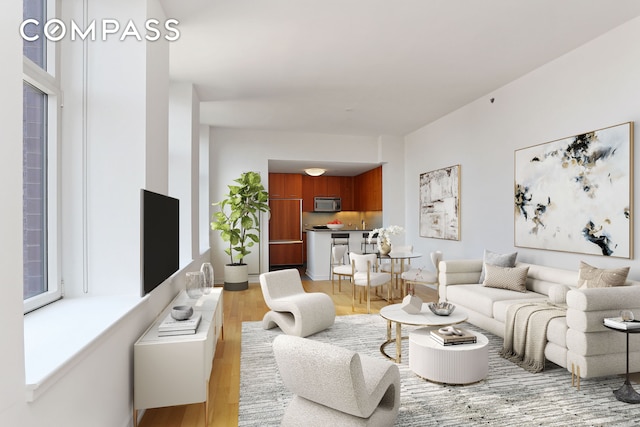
<point x="574" y="194"/>
<point x="440" y="203"/>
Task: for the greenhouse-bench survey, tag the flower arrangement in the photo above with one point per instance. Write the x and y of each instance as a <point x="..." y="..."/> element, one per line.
<point x="383" y="235"/>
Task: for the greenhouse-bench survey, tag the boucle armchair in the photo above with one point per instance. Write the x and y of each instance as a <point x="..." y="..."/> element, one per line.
<point x="295" y="311"/>
<point x="333" y="386"/>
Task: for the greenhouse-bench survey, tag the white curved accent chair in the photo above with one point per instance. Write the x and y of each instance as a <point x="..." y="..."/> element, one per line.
<point x="295" y="311"/>
<point x="338" y="266"/>
<point x="364" y="275"/>
<point x="333" y="386"/>
<point x="420" y="276"/>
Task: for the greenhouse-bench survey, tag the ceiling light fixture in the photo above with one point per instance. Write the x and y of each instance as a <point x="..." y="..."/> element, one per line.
<point x="315" y="171"/>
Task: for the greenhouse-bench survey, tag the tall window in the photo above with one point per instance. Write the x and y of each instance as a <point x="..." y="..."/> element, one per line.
<point x="34" y="194"/>
<point x="39" y="161"/>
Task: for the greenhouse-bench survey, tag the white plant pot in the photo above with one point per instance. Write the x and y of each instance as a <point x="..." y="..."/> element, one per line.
<point x="236" y="277"/>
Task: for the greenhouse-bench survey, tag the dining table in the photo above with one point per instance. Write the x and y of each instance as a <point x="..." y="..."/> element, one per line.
<point x="401" y="256"/>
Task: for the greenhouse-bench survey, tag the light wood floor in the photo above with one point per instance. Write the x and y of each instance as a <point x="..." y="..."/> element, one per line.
<point x="224" y="385"/>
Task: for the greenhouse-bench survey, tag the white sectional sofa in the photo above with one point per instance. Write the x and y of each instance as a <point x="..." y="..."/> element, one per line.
<point x="579" y="341"/>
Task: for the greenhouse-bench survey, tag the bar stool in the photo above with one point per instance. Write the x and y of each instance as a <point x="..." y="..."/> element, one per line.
<point x="365" y="245"/>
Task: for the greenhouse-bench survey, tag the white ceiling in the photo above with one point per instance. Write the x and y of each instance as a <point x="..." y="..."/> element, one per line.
<point x="368" y="67"/>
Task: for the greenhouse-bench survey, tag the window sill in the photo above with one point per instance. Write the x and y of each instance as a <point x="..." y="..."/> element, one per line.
<point x="60" y="335"/>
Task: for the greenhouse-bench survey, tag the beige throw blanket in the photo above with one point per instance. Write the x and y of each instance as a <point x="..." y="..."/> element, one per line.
<point x="526" y="333"/>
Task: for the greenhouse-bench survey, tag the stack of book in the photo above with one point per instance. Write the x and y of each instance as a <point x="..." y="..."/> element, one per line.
<point x="171" y="326"/>
<point x="444" y="339"/>
<point x="618" y="323"/>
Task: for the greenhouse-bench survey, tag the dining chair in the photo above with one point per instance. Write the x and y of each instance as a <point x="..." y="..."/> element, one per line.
<point x="420" y="276"/>
<point x="363" y="268"/>
<point x="339" y="267"/>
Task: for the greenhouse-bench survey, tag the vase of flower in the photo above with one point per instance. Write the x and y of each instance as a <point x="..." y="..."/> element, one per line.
<point x="383" y="237"/>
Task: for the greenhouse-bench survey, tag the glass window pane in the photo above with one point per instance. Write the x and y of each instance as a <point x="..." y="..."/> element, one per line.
<point x="34" y="149"/>
<point x="35" y="50"/>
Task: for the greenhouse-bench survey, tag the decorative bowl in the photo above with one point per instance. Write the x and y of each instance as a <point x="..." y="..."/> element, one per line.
<point x="441" y="308"/>
<point x="335" y="226"/>
<point x="181" y="312"/>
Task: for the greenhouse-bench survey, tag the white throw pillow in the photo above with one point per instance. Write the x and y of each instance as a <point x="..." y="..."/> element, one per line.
<point x="513" y="279"/>
<point x="558" y="294"/>
<point x="592" y="277"/>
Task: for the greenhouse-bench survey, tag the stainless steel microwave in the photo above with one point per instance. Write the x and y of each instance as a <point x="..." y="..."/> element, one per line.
<point x="327" y="204"/>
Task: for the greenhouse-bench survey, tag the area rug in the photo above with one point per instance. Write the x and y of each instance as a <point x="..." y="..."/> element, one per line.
<point x="508" y="396"/>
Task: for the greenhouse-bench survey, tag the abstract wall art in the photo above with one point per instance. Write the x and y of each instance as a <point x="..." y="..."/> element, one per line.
<point x="575" y="194"/>
<point x="440" y="203"/>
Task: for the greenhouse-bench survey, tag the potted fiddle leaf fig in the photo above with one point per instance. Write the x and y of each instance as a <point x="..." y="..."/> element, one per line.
<point x="238" y="221"/>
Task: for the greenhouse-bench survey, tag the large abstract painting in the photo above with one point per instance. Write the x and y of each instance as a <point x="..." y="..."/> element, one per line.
<point x="575" y="194"/>
<point x="440" y="203"/>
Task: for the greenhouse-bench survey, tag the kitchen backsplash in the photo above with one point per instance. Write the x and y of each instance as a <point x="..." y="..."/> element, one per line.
<point x="352" y="220"/>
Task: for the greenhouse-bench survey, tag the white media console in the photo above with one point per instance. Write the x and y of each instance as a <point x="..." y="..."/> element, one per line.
<point x="175" y="370"/>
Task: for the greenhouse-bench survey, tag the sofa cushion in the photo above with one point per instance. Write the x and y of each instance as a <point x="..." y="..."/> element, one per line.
<point x="500" y="306"/>
<point x="493" y="258"/>
<point x="482" y="299"/>
<point x="513" y="279"/>
<point x="541" y="278"/>
<point x="592" y="277"/>
<point x="557" y="331"/>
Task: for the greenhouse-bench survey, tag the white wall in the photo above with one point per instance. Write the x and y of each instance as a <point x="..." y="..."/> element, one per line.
<point x="205" y="203"/>
<point x="12" y="367"/>
<point x="595" y="86"/>
<point x="184" y="146"/>
<point x="127" y="149"/>
<point x="237" y="151"/>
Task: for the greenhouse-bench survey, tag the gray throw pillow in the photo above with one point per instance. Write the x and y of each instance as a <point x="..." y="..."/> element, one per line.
<point x="501" y="260"/>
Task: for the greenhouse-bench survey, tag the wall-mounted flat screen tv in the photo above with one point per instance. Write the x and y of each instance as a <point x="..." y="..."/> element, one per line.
<point x="160" y="239"/>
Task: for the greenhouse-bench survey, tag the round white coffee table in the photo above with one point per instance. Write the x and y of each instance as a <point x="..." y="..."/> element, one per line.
<point x="448" y="364"/>
<point x="395" y="314"/>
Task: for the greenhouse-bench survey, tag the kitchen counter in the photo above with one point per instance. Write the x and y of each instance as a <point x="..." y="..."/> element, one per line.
<point x="319" y="250"/>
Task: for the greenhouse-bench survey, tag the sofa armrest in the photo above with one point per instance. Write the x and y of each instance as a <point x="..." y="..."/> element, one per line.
<point x="457" y="272"/>
<point x="598" y="299"/>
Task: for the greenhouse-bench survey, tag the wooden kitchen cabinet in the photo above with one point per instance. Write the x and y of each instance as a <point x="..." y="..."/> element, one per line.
<point x="346" y="193"/>
<point x="368" y="190"/>
<point x="360" y="193"/>
<point x="285" y="253"/>
<point x="319" y="186"/>
<point x="313" y="186"/>
<point x="285" y="186"/>
<point x="285" y="220"/>
<point x="334" y="186"/>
